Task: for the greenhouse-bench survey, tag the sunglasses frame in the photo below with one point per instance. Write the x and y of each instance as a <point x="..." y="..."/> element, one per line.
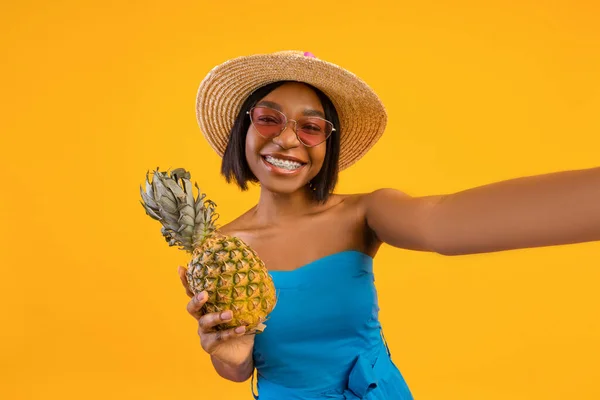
<point x="287" y="120"/>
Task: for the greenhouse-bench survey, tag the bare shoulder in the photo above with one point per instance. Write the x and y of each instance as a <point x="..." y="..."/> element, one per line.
<point x="366" y="201"/>
<point x="383" y="193"/>
<point x="383" y="206"/>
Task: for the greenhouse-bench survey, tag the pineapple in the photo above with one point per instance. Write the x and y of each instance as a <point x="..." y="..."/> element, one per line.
<point x="232" y="274"/>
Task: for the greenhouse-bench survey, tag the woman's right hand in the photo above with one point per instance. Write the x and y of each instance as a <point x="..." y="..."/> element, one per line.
<point x="231" y="347"/>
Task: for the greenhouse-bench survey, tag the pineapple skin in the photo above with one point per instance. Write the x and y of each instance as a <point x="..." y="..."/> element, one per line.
<point x="235" y="279"/>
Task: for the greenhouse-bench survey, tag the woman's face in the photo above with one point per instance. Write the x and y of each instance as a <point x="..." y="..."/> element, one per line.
<point x="283" y="164"/>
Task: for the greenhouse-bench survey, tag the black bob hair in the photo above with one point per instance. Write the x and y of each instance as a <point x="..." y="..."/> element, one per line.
<point x="234" y="166"/>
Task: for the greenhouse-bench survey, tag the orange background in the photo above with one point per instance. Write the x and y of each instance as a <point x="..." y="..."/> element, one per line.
<point x="96" y="93"/>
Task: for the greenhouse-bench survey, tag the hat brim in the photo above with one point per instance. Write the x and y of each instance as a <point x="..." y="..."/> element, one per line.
<point x="220" y="96"/>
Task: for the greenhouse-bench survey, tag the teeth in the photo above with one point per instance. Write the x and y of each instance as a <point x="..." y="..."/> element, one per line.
<point x="285" y="164"/>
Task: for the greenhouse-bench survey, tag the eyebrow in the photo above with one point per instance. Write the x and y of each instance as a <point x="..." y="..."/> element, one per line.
<point x="309" y="112"/>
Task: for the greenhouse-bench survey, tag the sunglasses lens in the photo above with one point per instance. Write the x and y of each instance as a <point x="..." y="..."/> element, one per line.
<point x="268" y="122"/>
<point x="313" y="131"/>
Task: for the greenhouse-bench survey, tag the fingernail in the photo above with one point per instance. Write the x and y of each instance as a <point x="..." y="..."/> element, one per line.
<point x="240" y="329"/>
<point x="226" y="315"/>
<point x="200" y="296"/>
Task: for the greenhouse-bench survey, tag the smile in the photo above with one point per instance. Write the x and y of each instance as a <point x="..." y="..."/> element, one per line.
<point x="288" y="165"/>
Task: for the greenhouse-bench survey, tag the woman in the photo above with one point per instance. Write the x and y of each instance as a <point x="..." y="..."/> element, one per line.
<point x="290" y="122"/>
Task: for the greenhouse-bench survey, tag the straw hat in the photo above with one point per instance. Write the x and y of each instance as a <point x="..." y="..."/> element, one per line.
<point x="220" y="96"/>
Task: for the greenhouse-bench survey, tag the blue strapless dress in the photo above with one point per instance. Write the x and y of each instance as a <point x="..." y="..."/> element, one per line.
<point x="323" y="339"/>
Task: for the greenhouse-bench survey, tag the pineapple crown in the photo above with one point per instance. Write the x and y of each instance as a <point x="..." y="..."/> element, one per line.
<point x="169" y="199"/>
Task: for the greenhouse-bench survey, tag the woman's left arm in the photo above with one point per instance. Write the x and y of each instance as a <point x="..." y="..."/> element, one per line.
<point x="544" y="210"/>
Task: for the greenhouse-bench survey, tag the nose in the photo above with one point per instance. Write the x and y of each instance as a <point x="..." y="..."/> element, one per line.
<point x="287" y="139"/>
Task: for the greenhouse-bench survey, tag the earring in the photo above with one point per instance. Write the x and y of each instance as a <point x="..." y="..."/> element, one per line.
<point x="310" y="185"/>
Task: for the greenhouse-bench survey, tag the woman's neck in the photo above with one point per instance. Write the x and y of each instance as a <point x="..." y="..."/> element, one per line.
<point x="272" y="207"/>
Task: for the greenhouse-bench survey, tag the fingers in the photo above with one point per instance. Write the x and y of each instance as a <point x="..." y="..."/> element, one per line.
<point x="194" y="306"/>
<point x="181" y="271"/>
<point x="221" y="336"/>
<point x="210" y="341"/>
<point x="207" y="322"/>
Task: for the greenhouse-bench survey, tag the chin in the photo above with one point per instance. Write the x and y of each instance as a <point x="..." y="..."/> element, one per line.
<point x="281" y="186"/>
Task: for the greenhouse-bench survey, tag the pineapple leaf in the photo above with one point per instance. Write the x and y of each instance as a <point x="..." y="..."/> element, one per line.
<point x="175" y="189"/>
<point x="199" y="206"/>
<point x="168" y="205"/>
<point x="149" y="189"/>
<point x="160" y="189"/>
<point x="187" y="210"/>
<point x="186" y="219"/>
<point x="148" y="199"/>
<point x="180" y="173"/>
<point x="189" y="191"/>
<point x="151" y="212"/>
<point x="170" y="221"/>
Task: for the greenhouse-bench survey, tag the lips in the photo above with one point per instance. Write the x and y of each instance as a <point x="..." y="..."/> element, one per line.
<point x="282" y="169"/>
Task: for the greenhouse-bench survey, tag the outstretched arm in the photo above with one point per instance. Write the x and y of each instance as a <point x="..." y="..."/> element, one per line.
<point x="544" y="210"/>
